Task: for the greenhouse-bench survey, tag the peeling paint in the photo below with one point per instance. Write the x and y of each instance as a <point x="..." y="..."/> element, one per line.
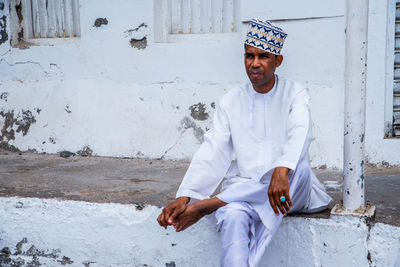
<point x="3" y="29"/>
<point x="7" y="133"/>
<point x="198" y="112"/>
<point x="65" y="260"/>
<point x="187" y="123"/>
<point x="139" y="43"/>
<point x="8" y="147"/>
<point x="87" y="263"/>
<point x="85" y="152"/>
<point x="30" y="257"/>
<point x="19" y="246"/>
<point x="25" y="122"/>
<point x="67" y="109"/>
<point x="99" y="22"/>
<point x="18" y="10"/>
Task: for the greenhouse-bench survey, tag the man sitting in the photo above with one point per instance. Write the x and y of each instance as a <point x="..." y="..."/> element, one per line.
<point x="259" y="142"/>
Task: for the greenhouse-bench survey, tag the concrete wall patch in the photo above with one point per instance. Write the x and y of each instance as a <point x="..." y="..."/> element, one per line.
<point x="198" y="112"/>
<point x="139" y="43"/>
<point x="3" y="29"/>
<point x="99" y="22"/>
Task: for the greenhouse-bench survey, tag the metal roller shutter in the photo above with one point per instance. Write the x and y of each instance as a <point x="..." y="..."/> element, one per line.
<point x="396" y="82"/>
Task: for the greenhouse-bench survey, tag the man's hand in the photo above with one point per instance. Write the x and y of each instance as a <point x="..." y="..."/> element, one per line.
<point x="170" y="212"/>
<point x="279" y="187"/>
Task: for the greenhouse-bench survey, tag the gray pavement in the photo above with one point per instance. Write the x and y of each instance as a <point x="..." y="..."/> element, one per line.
<point x="154" y="182"/>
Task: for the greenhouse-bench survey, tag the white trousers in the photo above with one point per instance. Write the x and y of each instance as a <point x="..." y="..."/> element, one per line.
<point x="248" y="223"/>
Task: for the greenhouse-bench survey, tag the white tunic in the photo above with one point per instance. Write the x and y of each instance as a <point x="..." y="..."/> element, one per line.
<point x="252" y="134"/>
<point x="262" y="131"/>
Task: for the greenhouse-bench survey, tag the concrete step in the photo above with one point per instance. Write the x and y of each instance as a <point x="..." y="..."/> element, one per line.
<point x="51" y="232"/>
<point x="95" y="211"/>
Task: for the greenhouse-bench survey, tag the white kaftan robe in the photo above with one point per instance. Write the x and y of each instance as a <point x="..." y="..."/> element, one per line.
<point x="252" y="134"/>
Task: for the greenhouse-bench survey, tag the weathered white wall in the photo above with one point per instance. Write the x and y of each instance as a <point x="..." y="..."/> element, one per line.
<point x="52" y="232"/>
<point x="99" y="91"/>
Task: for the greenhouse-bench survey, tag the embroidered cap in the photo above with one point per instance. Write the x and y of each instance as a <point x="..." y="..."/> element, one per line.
<point x="266" y="36"/>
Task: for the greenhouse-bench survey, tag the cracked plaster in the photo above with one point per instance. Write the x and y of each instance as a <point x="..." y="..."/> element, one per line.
<point x="52" y="71"/>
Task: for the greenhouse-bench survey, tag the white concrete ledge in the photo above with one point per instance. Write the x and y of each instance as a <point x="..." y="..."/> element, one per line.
<point x="73" y="233"/>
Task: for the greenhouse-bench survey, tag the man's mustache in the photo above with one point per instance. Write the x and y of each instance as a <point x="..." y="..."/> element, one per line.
<point x="256" y="71"/>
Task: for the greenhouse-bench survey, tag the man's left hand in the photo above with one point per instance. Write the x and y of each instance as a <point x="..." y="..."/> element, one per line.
<point x="279" y="187"/>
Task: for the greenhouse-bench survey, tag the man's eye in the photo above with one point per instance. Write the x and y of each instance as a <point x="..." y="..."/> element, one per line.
<point x="264" y="56"/>
<point x="249" y="56"/>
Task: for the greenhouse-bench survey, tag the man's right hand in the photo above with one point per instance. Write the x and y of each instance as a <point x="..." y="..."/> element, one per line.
<point x="170" y="212"/>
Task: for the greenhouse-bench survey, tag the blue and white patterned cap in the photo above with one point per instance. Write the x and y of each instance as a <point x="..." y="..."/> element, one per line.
<point x="266" y="36"/>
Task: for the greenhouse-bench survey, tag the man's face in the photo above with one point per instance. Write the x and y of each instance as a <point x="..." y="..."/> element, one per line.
<point x="260" y="66"/>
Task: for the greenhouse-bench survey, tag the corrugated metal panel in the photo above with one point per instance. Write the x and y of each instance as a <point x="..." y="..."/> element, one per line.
<point x="51" y="18"/>
<point x="203" y="16"/>
<point x="396" y="84"/>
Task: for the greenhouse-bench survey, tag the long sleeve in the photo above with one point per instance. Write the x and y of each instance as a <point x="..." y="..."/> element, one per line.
<point x="298" y="132"/>
<point x="211" y="162"/>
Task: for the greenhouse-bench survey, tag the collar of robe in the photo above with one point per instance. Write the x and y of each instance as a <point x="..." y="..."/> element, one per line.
<point x="253" y="94"/>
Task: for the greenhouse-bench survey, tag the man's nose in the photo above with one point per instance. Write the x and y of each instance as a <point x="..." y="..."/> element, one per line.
<point x="256" y="62"/>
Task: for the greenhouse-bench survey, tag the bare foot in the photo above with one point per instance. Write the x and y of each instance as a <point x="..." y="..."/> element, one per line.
<point x="194" y="212"/>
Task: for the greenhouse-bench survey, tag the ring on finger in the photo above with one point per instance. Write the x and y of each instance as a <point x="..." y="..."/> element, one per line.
<point x="282" y="199"/>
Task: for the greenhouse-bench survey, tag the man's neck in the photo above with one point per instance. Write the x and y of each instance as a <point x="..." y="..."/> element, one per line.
<point x="265" y="88"/>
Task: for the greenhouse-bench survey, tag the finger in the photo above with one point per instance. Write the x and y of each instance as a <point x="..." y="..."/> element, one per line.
<point x="278" y="203"/>
<point x="273" y="205"/>
<point x="176" y="226"/>
<point x="181" y="227"/>
<point x="175" y="213"/>
<point x="285" y="206"/>
<point x="166" y="213"/>
<point x="289" y="201"/>
<point x="161" y="221"/>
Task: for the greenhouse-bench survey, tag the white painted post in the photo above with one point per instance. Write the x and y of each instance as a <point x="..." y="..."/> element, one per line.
<point x="355" y="85"/>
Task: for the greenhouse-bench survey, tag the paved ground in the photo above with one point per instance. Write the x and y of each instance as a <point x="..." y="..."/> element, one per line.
<point x="140" y="181"/>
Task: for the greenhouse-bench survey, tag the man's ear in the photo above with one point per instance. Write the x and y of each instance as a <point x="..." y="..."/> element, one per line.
<point x="279" y="60"/>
